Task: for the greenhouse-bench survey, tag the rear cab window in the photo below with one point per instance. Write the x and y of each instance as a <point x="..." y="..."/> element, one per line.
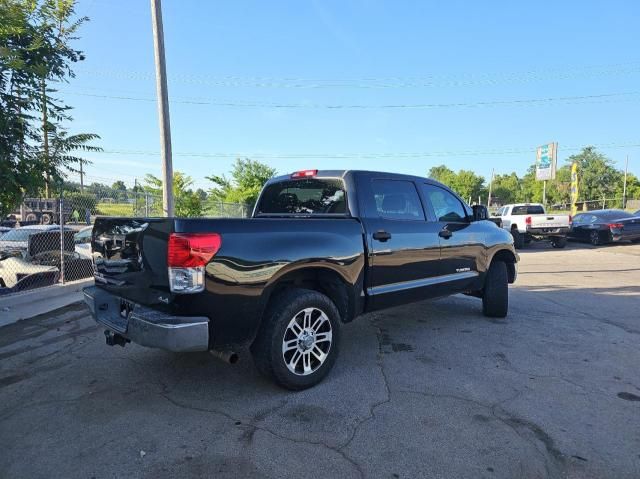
<point x="527" y="210"/>
<point x="397" y="200"/>
<point x="306" y="196"/>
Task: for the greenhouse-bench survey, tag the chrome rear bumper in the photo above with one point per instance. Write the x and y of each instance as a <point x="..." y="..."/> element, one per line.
<point x="146" y="326"/>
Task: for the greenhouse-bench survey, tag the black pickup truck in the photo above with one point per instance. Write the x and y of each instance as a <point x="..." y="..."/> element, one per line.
<point x="321" y="248"/>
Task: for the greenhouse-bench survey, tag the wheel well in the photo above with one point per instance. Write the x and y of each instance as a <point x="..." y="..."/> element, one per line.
<point x="514" y="227"/>
<point x="324" y="281"/>
<point x="509" y="259"/>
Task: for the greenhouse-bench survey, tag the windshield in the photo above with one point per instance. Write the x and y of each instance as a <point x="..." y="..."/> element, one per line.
<point x="308" y="197"/>
<point x="528" y="210"/>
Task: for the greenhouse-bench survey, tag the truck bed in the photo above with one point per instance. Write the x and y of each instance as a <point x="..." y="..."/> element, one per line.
<point x="131" y="262"/>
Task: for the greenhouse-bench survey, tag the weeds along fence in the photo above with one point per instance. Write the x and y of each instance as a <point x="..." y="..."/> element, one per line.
<point x="47" y="241"/>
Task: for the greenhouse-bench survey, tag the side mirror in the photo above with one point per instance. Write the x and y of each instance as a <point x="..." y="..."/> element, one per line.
<point x="480" y="212"/>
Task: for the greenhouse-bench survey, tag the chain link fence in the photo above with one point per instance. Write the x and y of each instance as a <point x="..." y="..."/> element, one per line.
<point x="47" y="241"/>
<point x="599" y="204"/>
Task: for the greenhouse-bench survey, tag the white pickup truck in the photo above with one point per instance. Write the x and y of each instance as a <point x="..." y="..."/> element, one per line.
<point x="529" y="221"/>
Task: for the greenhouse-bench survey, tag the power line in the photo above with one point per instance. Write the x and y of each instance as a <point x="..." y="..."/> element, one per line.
<point x="372" y="155"/>
<point x="419" y="106"/>
<point x="464" y="79"/>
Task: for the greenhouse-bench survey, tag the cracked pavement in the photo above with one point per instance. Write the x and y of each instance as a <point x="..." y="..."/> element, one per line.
<point x="432" y="389"/>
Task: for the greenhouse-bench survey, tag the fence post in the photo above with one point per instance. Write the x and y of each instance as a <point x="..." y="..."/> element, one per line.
<point x="61" y="215"/>
<point x="146" y="204"/>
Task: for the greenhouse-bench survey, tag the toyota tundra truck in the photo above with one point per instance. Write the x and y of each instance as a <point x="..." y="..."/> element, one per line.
<point x="321" y="248"/>
<point x="529" y="221"/>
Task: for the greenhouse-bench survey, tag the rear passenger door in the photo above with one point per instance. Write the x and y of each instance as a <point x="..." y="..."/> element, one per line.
<point x="462" y="241"/>
<point x="403" y="245"/>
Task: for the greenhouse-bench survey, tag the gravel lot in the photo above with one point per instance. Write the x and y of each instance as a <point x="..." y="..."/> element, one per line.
<point x="427" y="390"/>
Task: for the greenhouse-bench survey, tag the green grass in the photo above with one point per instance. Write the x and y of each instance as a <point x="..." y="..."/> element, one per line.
<point x="115" y="209"/>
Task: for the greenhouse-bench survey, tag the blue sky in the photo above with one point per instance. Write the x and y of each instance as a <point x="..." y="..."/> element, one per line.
<point x="417" y="84"/>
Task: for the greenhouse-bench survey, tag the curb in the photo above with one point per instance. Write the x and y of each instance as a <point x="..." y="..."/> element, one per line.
<point x="27" y="304"/>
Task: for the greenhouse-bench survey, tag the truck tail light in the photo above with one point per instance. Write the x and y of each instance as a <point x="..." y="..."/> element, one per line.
<point x="615" y="226"/>
<point x="187" y="256"/>
<point x="570" y="220"/>
<point x="304" y="174"/>
<point x="527" y="220"/>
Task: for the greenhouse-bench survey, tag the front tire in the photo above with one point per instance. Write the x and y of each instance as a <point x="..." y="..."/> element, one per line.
<point x="297" y="344"/>
<point x="495" y="295"/>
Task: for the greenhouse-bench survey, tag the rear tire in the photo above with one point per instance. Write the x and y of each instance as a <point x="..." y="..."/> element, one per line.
<point x="594" y="238"/>
<point x="495" y="295"/>
<point x="559" y="242"/>
<point x="518" y="239"/>
<point x="297" y="344"/>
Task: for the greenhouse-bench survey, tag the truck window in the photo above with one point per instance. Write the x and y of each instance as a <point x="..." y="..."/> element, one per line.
<point x="306" y="196"/>
<point x="397" y="200"/>
<point x="445" y="205"/>
<point x="527" y="210"/>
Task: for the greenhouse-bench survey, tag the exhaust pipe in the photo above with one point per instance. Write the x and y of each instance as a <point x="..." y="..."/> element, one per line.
<point x="113" y="339"/>
<point x="228" y="357"/>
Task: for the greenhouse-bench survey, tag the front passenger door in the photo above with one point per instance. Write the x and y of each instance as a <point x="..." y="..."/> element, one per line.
<point x="404" y="251"/>
<point x="462" y="241"/>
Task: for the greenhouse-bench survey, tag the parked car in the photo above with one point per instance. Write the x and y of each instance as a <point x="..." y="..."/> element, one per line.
<point x="3" y="230"/>
<point x="82" y="240"/>
<point x="18" y="274"/>
<point x="321" y="248"/>
<point x="530" y="221"/>
<point x="16" y="241"/>
<point x="34" y="257"/>
<point x="605" y="226"/>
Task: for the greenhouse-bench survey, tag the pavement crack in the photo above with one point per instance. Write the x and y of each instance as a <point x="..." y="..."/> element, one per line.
<point x="385" y="380"/>
<point x="252" y="427"/>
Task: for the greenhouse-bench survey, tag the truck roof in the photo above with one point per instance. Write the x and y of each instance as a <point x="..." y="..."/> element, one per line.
<point x="343" y="173"/>
<point x="524" y="204"/>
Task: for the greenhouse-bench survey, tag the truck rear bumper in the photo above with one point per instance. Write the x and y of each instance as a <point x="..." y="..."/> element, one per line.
<point x="562" y="231"/>
<point x="146" y="326"/>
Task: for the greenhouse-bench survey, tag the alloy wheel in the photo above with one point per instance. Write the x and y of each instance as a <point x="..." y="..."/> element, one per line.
<point x="307" y="341"/>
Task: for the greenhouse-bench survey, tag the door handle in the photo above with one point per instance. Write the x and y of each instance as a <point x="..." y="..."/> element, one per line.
<point x="381" y="235"/>
<point x="445" y="233"/>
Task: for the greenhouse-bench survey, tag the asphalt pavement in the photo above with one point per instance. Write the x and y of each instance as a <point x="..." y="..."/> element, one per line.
<point x="432" y="389"/>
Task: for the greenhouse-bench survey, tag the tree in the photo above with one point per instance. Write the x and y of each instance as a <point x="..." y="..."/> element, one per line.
<point x="597" y="177"/>
<point x="247" y="179"/>
<point x="119" y="191"/>
<point x="35" y="39"/>
<point x="187" y="202"/>
<point x="201" y="194"/>
<point x="506" y="188"/>
<point x="466" y="183"/>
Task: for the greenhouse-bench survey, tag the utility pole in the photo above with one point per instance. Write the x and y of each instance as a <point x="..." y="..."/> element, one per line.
<point x="490" y="185"/>
<point x="81" y="178"/>
<point x="135" y="192"/>
<point x="45" y="136"/>
<point x="163" y="108"/>
<point x="624" y="187"/>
